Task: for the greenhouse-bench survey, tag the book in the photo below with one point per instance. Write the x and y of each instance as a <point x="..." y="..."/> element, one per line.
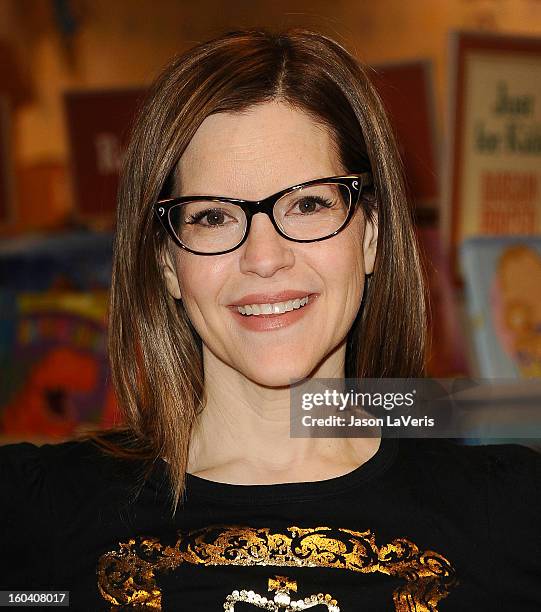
<point x="407" y="91"/>
<point x="6" y="163"/>
<point x="447" y="356"/>
<point x="75" y="260"/>
<point x="502" y="277"/>
<point x="98" y="124"/>
<point x="492" y="183"/>
<point x="53" y="359"/>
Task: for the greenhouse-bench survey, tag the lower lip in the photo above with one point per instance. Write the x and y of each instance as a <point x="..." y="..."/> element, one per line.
<point x="272" y="322"/>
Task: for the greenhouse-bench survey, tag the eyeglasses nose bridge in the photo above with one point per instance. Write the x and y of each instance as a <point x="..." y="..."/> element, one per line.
<point x="265" y="206"/>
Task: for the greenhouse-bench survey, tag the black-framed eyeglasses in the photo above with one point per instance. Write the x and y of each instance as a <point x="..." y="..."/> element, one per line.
<point x="309" y="212"/>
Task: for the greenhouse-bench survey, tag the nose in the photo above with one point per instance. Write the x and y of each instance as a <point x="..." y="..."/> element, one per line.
<point x="265" y="251"/>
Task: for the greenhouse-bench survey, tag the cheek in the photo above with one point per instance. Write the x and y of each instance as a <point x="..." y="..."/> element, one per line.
<point x="342" y="257"/>
<point x="350" y="270"/>
<point x="200" y="278"/>
<point x="342" y="279"/>
<point x="190" y="274"/>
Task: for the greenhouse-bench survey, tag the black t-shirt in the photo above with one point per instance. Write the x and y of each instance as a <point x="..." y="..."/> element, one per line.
<point x="424" y="525"/>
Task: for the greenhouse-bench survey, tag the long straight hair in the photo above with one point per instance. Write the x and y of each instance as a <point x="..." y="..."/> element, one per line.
<point x="155" y="353"/>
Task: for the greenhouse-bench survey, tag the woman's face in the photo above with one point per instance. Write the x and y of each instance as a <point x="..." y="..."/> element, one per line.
<point x="252" y="155"/>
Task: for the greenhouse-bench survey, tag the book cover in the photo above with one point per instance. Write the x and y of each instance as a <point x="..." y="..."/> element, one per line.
<point x="53" y="359"/>
<point x="6" y="163"/>
<point x="407" y="91"/>
<point x="447" y="356"/>
<point x="75" y="260"/>
<point x="98" y="124"/>
<point x="502" y="277"/>
<point x="493" y="170"/>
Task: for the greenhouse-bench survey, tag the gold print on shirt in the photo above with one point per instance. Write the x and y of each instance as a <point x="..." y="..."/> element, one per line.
<point x="127" y="576"/>
<point x="282" y="600"/>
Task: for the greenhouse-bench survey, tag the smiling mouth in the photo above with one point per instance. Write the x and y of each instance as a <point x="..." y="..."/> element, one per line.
<point x="274" y="309"/>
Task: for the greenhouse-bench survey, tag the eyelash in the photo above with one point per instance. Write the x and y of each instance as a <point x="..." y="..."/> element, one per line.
<point x="195" y="218"/>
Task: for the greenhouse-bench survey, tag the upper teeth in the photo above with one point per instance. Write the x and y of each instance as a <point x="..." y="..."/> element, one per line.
<point x="276" y="308"/>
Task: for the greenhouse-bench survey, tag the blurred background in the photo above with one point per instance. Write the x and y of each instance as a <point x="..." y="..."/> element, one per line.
<point x="461" y="80"/>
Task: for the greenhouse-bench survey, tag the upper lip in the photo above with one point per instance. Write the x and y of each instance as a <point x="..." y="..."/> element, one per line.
<point x="271" y="298"/>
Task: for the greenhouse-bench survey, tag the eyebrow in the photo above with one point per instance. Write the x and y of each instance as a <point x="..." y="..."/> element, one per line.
<point x="223" y="193"/>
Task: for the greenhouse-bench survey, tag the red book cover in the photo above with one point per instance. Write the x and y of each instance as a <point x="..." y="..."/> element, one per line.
<point x="6" y="167"/>
<point x="407" y="91"/>
<point x="98" y="125"/>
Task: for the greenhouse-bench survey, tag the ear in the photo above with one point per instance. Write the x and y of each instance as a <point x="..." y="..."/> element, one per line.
<point x="370" y="242"/>
<point x="169" y="273"/>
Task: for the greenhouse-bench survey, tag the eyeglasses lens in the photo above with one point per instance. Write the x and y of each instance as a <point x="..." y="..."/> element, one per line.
<point x="307" y="213"/>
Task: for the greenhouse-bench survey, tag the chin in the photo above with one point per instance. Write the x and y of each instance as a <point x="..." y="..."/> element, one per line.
<point x="280" y="375"/>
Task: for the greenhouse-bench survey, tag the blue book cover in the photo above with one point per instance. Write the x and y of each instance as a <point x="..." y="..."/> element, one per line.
<point x="74" y="260"/>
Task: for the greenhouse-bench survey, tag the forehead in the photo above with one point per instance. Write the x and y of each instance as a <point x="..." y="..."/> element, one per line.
<point x="254" y="153"/>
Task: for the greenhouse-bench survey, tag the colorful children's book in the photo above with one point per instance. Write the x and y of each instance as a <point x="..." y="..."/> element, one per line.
<point x="53" y="363"/>
<point x="502" y="278"/>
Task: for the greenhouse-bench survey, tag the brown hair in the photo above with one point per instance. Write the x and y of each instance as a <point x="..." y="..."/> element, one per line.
<point x="155" y="353"/>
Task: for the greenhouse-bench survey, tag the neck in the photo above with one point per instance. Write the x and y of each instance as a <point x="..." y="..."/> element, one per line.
<point x="242" y="435"/>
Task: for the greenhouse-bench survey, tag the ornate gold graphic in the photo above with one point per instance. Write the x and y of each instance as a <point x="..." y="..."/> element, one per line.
<point x="282" y="585"/>
<point x="127" y="576"/>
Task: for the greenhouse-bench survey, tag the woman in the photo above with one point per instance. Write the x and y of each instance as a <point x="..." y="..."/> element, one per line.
<point x="222" y="296"/>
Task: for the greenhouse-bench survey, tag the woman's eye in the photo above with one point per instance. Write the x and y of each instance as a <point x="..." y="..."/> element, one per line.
<point x="215" y="217"/>
<point x="310" y="205"/>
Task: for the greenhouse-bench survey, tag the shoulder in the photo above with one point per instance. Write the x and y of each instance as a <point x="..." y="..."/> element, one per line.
<point x="498" y="483"/>
<point x="39" y="477"/>
<point x="26" y="469"/>
<point x="27" y="458"/>
<point x="485" y="475"/>
<point x="498" y="460"/>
